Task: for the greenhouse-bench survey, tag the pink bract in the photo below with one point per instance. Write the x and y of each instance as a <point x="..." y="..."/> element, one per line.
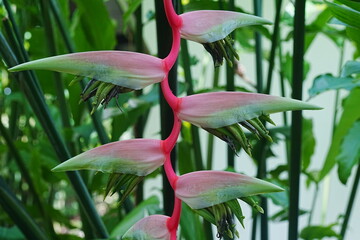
<point x="218" y="109"/>
<point x="135" y="156"/>
<point x="208" y="26"/>
<point x="153" y="227"/>
<point x="126" y="69"/>
<point x="207" y="188"/>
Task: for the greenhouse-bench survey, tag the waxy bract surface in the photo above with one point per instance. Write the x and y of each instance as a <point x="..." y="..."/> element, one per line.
<point x="126" y="69"/>
<point x="207" y="188"/>
<point x="207" y="26"/>
<point x="135" y="156"/>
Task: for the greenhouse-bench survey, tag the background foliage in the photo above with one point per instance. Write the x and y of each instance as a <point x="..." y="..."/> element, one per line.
<point x="43" y="123"/>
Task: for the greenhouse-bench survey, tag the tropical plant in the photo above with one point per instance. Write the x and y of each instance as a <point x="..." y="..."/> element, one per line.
<point x="238" y="118"/>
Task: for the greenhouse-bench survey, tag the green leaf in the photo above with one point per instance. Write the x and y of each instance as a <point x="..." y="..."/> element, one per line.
<point x="345" y="14"/>
<point x="351" y="3"/>
<point x="354" y="35"/>
<point x="350" y="67"/>
<point x="12" y="233"/>
<point x="190" y="224"/>
<point x="150" y="206"/>
<point x="318" y="232"/>
<point x="350" y="115"/>
<point x="349" y="153"/>
<point x="128" y="117"/>
<point x="308" y="140"/>
<point x="93" y="28"/>
<point x="327" y="82"/>
<point x="287" y="63"/>
<point x="186" y="157"/>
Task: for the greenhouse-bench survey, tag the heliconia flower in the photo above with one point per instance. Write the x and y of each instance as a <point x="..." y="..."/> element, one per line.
<point x="219" y="109"/>
<point x="126" y="69"/>
<point x="139" y="157"/>
<point x="208" y="188"/>
<point x="153" y="227"/>
<point x="220" y="113"/>
<point x="211" y="28"/>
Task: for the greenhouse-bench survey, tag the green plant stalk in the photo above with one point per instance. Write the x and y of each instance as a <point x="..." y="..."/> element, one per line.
<point x="283" y="94"/>
<point x="59" y="86"/>
<point x="164" y="43"/>
<point x="325" y="195"/>
<point x="350" y="204"/>
<point x="230" y="86"/>
<point x="274" y="43"/>
<point x="37" y="102"/>
<point x="95" y="117"/>
<point x="25" y="174"/>
<point x="313" y="203"/>
<point x="210" y="143"/>
<point x="258" y="50"/>
<point x="262" y="156"/>
<point x="17" y="212"/>
<point x="190" y="90"/>
<point x="140" y="124"/>
<point x="296" y="126"/>
<point x="22" y="56"/>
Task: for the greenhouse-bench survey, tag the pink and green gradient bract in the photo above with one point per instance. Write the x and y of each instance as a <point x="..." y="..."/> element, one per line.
<point x="209" y="26"/>
<point x="136" y="156"/>
<point x="218" y="109"/>
<point x="126" y="69"/>
<point x="153" y="227"/>
<point x="207" y="188"/>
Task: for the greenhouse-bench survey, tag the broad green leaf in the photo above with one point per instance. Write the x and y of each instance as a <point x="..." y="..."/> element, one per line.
<point x="12" y="233"/>
<point x="350" y="67"/>
<point x="345" y="14"/>
<point x="93" y="28"/>
<point x="287" y="67"/>
<point x="349" y="153"/>
<point x="190" y="224"/>
<point x="327" y="82"/>
<point x="150" y="205"/>
<point x="308" y="142"/>
<point x="354" y="35"/>
<point x="318" y="232"/>
<point x="351" y="3"/>
<point x="283" y="215"/>
<point x="349" y="116"/>
<point x="128" y="117"/>
<point x="186" y="158"/>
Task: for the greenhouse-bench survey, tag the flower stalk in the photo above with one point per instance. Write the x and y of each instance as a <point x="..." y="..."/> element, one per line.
<point x="214" y="194"/>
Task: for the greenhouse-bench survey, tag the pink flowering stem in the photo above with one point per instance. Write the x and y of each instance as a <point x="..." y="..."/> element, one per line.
<point x="173" y="221"/>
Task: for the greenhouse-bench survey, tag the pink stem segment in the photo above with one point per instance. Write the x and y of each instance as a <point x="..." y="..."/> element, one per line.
<point x="175" y="20"/>
<point x="174" y="220"/>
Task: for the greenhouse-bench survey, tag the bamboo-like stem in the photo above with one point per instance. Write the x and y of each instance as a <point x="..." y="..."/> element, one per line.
<point x="59" y="86"/>
<point x="164" y="43"/>
<point x="313" y="203"/>
<point x="274" y="43"/>
<point x="17" y="212"/>
<point x="22" y="56"/>
<point x="210" y="143"/>
<point x="261" y="157"/>
<point x="140" y="124"/>
<point x="350" y="204"/>
<point x="37" y="102"/>
<point x="230" y="86"/>
<point x="103" y="137"/>
<point x="296" y="127"/>
<point x="190" y="90"/>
